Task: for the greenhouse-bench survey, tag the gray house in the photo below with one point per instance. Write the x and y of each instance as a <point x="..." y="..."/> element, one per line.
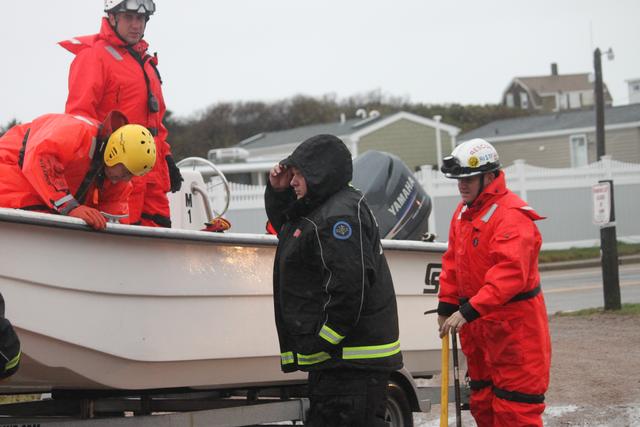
<point x="411" y="137"/>
<point x="564" y="139"/>
<point x="554" y="92"/>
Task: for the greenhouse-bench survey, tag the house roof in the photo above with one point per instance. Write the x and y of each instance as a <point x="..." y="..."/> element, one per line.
<point x="558" y="83"/>
<point x="354" y="128"/>
<point x="554" y="123"/>
<point x="540" y="85"/>
<point x="291" y="136"/>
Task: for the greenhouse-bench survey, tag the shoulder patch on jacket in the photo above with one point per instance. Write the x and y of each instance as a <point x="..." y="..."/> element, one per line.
<point x="342" y="230"/>
<point x="507" y="235"/>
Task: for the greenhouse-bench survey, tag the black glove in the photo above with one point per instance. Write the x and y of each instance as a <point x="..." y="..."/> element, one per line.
<point x="175" y="177"/>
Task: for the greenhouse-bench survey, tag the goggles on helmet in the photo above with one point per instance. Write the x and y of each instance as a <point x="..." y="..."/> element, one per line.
<point x="451" y="165"/>
<point x="452" y="168"/>
<point x="145" y="7"/>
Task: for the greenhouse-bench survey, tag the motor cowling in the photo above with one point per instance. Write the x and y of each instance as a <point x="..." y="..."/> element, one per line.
<point x="398" y="201"/>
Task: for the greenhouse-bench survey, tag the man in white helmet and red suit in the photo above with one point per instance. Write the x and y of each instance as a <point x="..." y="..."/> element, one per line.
<point x="112" y="70"/>
<point x="490" y="291"/>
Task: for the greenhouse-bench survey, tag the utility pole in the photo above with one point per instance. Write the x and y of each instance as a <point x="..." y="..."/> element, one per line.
<point x="438" y="141"/>
<point x="597" y="65"/>
<point x="608" y="238"/>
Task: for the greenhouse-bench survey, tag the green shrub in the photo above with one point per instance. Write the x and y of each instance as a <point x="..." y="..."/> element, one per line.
<point x="575" y="254"/>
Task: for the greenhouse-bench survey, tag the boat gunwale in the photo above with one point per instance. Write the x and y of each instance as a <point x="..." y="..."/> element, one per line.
<point x="228" y="238"/>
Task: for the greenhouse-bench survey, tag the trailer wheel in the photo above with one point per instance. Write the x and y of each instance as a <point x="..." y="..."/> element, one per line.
<point x="398" y="412"/>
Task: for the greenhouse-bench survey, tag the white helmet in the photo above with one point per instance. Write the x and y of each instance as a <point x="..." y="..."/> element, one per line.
<point x="145" y="7"/>
<point x="471" y="158"/>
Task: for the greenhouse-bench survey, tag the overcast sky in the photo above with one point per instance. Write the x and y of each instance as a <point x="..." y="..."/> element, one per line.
<point x="463" y="51"/>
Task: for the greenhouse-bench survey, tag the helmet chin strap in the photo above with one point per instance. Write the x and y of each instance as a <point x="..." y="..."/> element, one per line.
<point x="479" y="191"/>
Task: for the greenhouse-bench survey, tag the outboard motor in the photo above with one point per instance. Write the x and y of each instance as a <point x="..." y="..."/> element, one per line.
<point x="398" y="201"/>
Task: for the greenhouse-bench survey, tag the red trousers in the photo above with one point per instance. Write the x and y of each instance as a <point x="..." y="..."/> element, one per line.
<point x="148" y="204"/>
<point x="508" y="357"/>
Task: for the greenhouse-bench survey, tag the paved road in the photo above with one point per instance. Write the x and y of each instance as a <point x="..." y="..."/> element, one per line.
<point x="567" y="290"/>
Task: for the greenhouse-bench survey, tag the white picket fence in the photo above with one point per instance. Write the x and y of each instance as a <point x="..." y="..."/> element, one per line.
<point x="522" y="177"/>
<point x="563" y="195"/>
<point x="245" y="196"/>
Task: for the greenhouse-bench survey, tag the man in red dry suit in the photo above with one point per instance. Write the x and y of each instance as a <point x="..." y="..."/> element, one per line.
<point x="74" y="166"/>
<point x="112" y="70"/>
<point x="490" y="291"/>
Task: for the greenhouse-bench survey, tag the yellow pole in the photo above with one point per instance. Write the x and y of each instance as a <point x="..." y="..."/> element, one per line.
<point x="444" y="383"/>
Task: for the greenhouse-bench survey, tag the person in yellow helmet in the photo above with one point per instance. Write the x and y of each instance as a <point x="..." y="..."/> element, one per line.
<point x="72" y="165"/>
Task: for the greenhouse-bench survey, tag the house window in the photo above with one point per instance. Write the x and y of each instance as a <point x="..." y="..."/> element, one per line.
<point x="510" y="102"/>
<point x="563" y="101"/>
<point x="574" y="99"/>
<point x="587" y="98"/>
<point x="524" y="101"/>
<point x="579" y="151"/>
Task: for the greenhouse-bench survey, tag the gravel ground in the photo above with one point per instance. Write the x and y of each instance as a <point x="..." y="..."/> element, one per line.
<point x="595" y="374"/>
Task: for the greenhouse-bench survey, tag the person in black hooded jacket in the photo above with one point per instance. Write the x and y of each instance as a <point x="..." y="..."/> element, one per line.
<point x="335" y="307"/>
<point x="9" y="346"/>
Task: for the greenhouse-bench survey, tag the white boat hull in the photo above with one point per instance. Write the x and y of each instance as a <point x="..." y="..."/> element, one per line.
<point x="141" y="308"/>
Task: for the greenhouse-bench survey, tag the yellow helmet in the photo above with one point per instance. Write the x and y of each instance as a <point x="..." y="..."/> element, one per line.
<point x="133" y="146"/>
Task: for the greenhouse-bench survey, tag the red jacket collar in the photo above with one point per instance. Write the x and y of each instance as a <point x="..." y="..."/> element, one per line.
<point x="497" y="187"/>
<point x="107" y="34"/>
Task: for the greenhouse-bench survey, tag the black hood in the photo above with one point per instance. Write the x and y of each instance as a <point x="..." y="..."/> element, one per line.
<point x="325" y="163"/>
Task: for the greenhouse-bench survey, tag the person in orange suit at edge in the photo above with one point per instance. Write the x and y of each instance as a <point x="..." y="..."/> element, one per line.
<point x="74" y="166"/>
<point x="490" y="291"/>
<point x="112" y="70"/>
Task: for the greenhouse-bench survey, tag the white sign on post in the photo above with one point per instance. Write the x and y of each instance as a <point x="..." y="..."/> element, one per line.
<point x="601" y="193"/>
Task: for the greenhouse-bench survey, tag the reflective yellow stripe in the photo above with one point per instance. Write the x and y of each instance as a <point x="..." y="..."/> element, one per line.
<point x="62" y="200"/>
<point x="372" y="351"/>
<point x="113" y="53"/>
<point x="13" y="362"/>
<point x="489" y="213"/>
<point x="310" y="359"/>
<point x="286" y="358"/>
<point x="330" y="335"/>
